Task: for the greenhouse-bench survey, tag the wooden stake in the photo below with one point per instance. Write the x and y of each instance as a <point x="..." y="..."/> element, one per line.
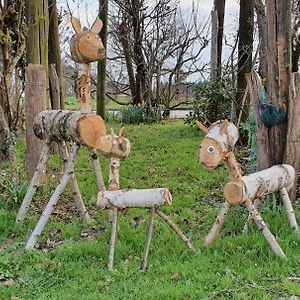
<point x="74" y="187"/>
<point x="113" y="238"/>
<point x="264" y="229"/>
<point x="289" y="209"/>
<point x="176" y="229"/>
<point x="148" y="240"/>
<point x="35" y="181"/>
<point x="54" y="199"/>
<point x="215" y="230"/>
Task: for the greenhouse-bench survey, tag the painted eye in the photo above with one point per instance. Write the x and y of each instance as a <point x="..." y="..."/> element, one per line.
<point x="211" y="149"/>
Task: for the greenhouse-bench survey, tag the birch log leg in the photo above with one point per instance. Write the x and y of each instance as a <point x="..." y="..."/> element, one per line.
<point x="35" y="181"/>
<point x="74" y="187"/>
<point x="177" y="230"/>
<point x="215" y="230"/>
<point x="54" y="199"/>
<point x="264" y="229"/>
<point x="149" y="238"/>
<point x="258" y="205"/>
<point x="289" y="209"/>
<point x="113" y="238"/>
<point x="98" y="171"/>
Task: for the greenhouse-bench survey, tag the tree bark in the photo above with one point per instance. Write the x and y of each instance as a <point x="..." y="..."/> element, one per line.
<point x="54" y="51"/>
<point x="219" y="6"/>
<point x="292" y="150"/>
<point x="279" y="70"/>
<point x="54" y="88"/>
<point x="69" y="126"/>
<point x="259" y="184"/>
<point x="262" y="141"/>
<point x="245" y="48"/>
<point x="35" y="95"/>
<point x="134" y="198"/>
<point x="214" y="46"/>
<point x="103" y="11"/>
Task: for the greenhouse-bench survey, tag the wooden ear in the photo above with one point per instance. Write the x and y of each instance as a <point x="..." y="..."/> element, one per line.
<point x="76" y="25"/>
<point x="202" y="127"/>
<point x="112" y="132"/>
<point x="122" y="131"/>
<point x="223" y="126"/>
<point x="97" y="26"/>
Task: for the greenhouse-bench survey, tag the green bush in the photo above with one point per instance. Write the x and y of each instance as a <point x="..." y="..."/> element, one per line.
<point x="138" y="115"/>
<point x="212" y="102"/>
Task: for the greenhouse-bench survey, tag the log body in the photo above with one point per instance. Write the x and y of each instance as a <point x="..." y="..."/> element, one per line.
<point x="70" y="126"/>
<point x="261" y="183"/>
<point x="134" y="198"/>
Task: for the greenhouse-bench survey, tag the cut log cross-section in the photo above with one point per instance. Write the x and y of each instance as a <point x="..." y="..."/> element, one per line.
<point x="216" y="147"/>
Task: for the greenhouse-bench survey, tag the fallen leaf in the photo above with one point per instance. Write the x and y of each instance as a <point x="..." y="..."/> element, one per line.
<point x="176" y="276"/>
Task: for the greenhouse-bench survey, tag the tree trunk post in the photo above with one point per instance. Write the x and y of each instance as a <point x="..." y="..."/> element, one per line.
<point x="35" y="95"/>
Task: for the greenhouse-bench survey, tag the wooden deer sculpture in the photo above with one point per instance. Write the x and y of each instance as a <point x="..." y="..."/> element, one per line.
<point x="116" y="200"/>
<point x="216" y="147"/>
<point x="80" y="129"/>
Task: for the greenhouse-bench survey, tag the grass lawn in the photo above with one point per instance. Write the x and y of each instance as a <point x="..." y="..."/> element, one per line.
<point x="236" y="266"/>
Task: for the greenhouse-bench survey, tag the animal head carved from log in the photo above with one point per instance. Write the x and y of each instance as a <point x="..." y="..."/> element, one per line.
<point x="86" y="46"/>
<point x="219" y="140"/>
<point x="113" y="145"/>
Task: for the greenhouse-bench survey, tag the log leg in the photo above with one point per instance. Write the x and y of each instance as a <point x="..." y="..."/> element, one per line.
<point x="215" y="230"/>
<point x="264" y="229"/>
<point x="148" y="240"/>
<point x="177" y="230"/>
<point x="98" y="171"/>
<point x="35" y="181"/>
<point x="53" y="200"/>
<point x="289" y="209"/>
<point x="258" y="205"/>
<point x="113" y="238"/>
<point x="74" y="187"/>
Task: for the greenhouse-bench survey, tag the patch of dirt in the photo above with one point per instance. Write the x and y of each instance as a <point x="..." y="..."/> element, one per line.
<point x="93" y="233"/>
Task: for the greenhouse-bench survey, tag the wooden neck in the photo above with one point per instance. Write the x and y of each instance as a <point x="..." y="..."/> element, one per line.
<point x="233" y="167"/>
<point x="84" y="87"/>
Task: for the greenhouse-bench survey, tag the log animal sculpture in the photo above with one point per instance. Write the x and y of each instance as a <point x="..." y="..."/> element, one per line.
<point x="216" y="147"/>
<point x="116" y="200"/>
<point x="80" y="129"/>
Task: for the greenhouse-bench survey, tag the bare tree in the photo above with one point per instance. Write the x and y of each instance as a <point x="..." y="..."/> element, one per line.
<point x="160" y="47"/>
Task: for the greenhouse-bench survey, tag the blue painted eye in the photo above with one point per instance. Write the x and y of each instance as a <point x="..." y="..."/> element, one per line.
<point x="211" y="149"/>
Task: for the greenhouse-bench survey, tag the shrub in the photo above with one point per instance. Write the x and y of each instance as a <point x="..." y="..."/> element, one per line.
<point x="138" y="115"/>
<point x="212" y="102"/>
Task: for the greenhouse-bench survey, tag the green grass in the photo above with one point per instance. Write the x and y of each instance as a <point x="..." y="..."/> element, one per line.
<point x="236" y="266"/>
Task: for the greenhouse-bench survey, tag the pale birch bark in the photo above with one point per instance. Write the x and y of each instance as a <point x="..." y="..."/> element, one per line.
<point x="264" y="229"/>
<point x="289" y="209"/>
<point x="149" y="238"/>
<point x="53" y="200"/>
<point x="258" y="205"/>
<point x="38" y="176"/>
<point x="98" y="171"/>
<point x="113" y="238"/>
<point x="215" y="230"/>
<point x="261" y="183"/>
<point x="140" y="198"/>
<point x="176" y="229"/>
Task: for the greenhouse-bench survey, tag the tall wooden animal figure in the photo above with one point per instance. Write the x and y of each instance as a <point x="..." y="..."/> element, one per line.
<point x="79" y="128"/>
<point x="216" y="147"/>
